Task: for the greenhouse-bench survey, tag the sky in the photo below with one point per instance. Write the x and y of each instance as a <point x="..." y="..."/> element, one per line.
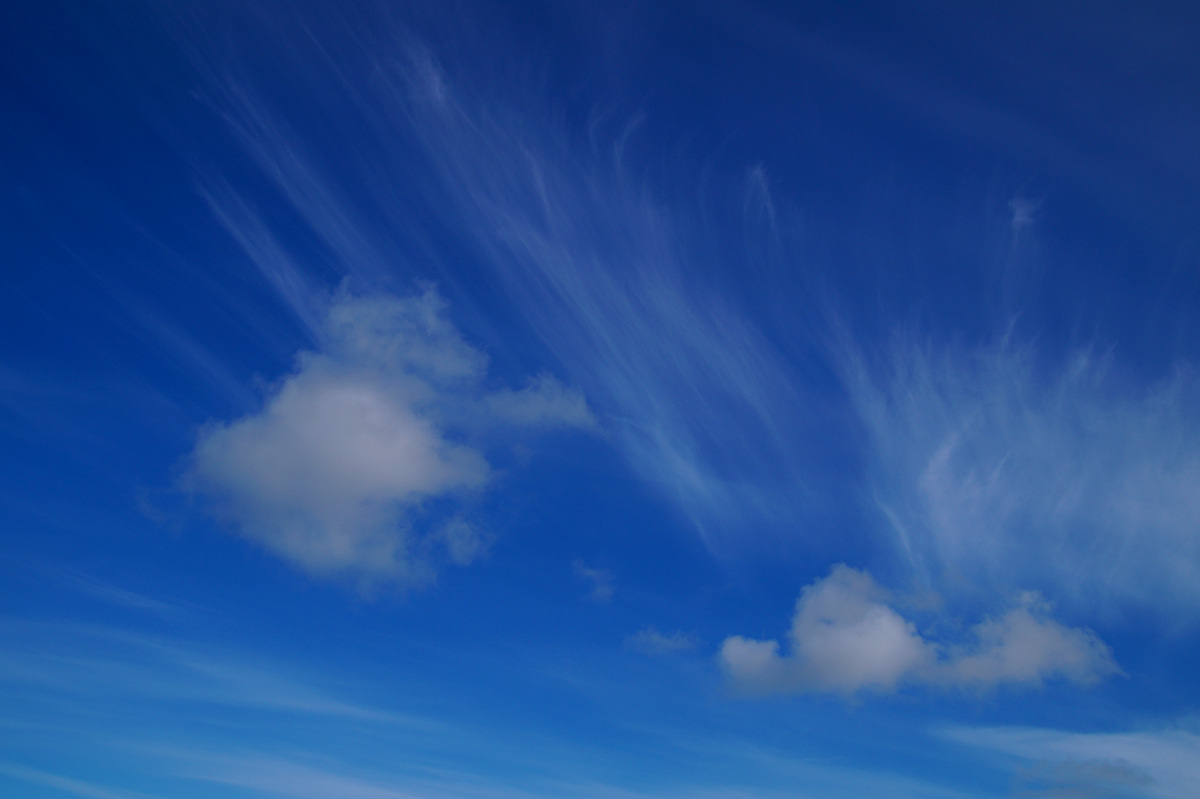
<point x="708" y="400"/>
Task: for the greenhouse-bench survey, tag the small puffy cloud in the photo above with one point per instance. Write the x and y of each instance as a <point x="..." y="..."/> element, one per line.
<point x="846" y="638"/>
<point x="463" y="541"/>
<point x="843" y="638"/>
<point x="1025" y="645"/>
<point x="650" y="641"/>
<point x="544" y="402"/>
<point x="336" y="470"/>
<point x="322" y="473"/>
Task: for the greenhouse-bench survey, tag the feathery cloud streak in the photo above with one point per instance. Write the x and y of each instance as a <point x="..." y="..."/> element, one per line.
<point x="702" y="403"/>
<point x="974" y="460"/>
<point x="698" y="400"/>
<point x="1149" y="763"/>
<point x="1069" y="478"/>
<point x="65" y="785"/>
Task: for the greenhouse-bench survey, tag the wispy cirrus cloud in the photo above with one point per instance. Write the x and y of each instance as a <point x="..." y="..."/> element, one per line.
<point x="703" y="404"/>
<point x="993" y="467"/>
<point x="335" y="470"/>
<point x="847" y="637"/>
<point x="180" y="716"/>
<point x="269" y="775"/>
<point x="117" y="595"/>
<point x="272" y="776"/>
<point x="585" y="258"/>
<point x="66" y="785"/>
<point x="974" y="458"/>
<point x="1157" y="763"/>
<point x="100" y="666"/>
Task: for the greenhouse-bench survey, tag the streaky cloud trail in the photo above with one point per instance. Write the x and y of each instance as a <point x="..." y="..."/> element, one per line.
<point x="995" y="465"/>
<point x="984" y="473"/>
<point x="700" y="401"/>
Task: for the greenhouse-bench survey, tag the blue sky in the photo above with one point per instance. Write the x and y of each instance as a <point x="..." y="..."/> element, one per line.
<point x="599" y="400"/>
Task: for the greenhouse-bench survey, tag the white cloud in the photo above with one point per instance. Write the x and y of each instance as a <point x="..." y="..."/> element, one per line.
<point x="1154" y="763"/>
<point x="982" y="468"/>
<point x="278" y="777"/>
<point x="97" y="664"/>
<point x="545" y="401"/>
<point x="333" y="471"/>
<point x="650" y="641"/>
<point x="703" y="403"/>
<point x="66" y="785"/>
<point x="1025" y="645"/>
<point x="600" y="581"/>
<point x="1024" y="213"/>
<point x="843" y="638"/>
<point x="701" y="400"/>
<point x="116" y="595"/>
<point x="994" y="469"/>
<point x="846" y="637"/>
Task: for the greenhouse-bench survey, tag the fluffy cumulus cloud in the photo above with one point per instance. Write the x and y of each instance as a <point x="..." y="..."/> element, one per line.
<point x="847" y="637"/>
<point x="338" y="468"/>
<point x="1000" y="467"/>
<point x="843" y="638"/>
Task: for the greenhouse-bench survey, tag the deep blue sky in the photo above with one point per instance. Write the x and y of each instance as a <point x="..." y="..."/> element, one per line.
<point x="600" y="400"/>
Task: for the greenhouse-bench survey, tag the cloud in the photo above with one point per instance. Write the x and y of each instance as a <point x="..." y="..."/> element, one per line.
<point x="843" y="638"/>
<point x="1149" y="763"/>
<point x="650" y="641"/>
<point x="1025" y="645"/>
<point x="700" y="383"/>
<point x="1024" y="213"/>
<point x="97" y="665"/>
<point x="65" y="785"/>
<point x="335" y="471"/>
<point x="278" y="777"/>
<point x="544" y="401"/>
<point x="703" y="404"/>
<point x="116" y="595"/>
<point x="846" y="638"/>
<point x="995" y="468"/>
<point x="559" y="772"/>
<point x="571" y="249"/>
<point x="600" y="581"/>
<point x="1089" y="780"/>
